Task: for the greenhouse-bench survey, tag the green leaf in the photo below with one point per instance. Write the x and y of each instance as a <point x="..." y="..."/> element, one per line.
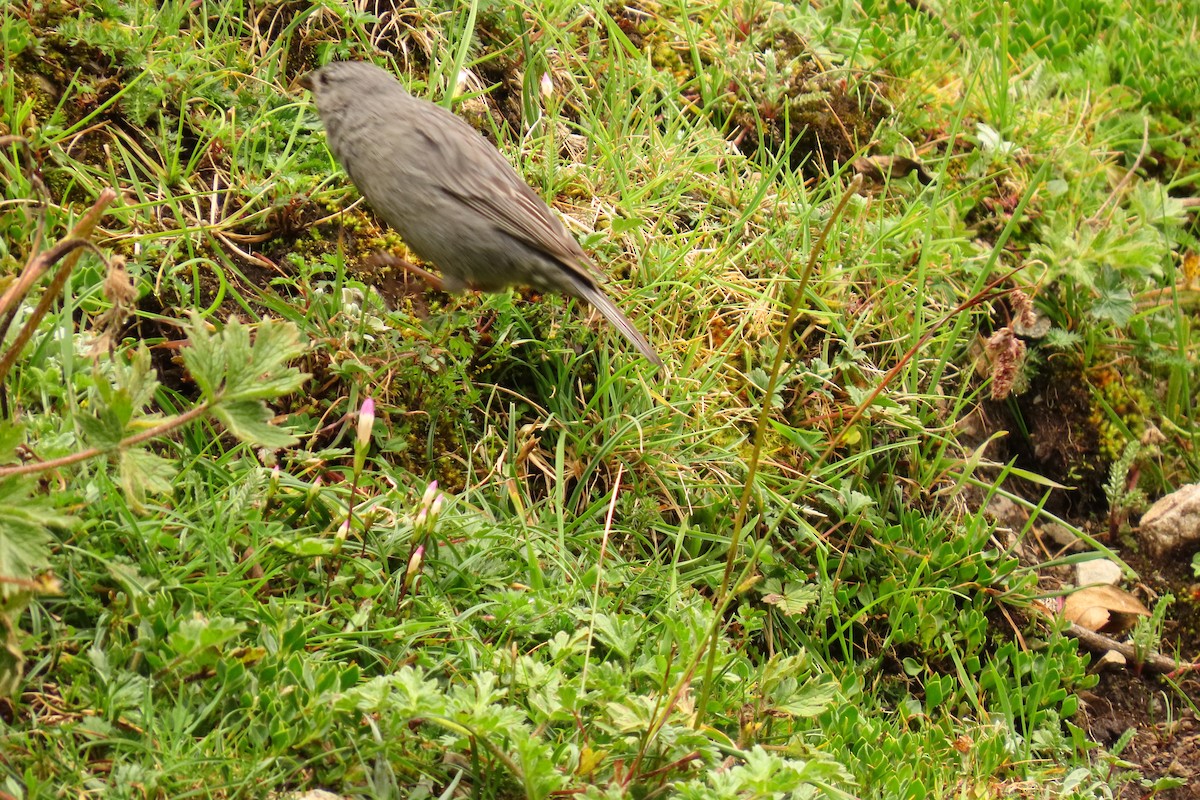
<point x="204" y="357"/>
<point x="12" y="659"/>
<point x="200" y="641"/>
<point x="24" y="551"/>
<point x="226" y="365"/>
<point x="250" y="421"/>
<point x="793" y="600"/>
<point x="267" y="374"/>
<point x="405" y="693"/>
<point x="618" y="633"/>
<point x="806" y="700"/>
<point x="24" y="534"/>
<point x="1115" y="303"/>
<point x="11" y="437"/>
<point x="142" y="473"/>
<point x="237" y="376"/>
<point x="309" y="546"/>
<point x="119" y="401"/>
<point x="137" y="379"/>
<point x="103" y="430"/>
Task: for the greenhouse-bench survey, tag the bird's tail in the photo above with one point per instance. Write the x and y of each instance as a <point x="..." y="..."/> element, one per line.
<point x="601" y="302"/>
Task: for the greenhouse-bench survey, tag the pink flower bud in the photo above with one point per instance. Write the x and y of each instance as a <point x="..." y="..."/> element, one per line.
<point x="366" y="420"/>
<point x="414" y="564"/>
<point x="431" y="492"/>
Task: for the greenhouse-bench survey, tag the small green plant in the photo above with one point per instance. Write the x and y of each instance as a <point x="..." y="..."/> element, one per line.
<point x="1147" y="631"/>
<point x="111" y="418"/>
<point x="1121" y="488"/>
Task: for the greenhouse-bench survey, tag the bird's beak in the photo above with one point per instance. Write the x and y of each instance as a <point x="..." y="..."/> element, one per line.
<point x="306" y="80"/>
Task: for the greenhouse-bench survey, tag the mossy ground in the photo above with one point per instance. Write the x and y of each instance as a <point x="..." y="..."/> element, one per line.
<point x="746" y="576"/>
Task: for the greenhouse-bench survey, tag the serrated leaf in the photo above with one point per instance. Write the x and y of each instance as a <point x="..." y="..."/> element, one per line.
<point x="24" y="535"/>
<point x="201" y="640"/>
<point x="403" y="694"/>
<point x="309" y="546"/>
<point x="793" y="600"/>
<point x="276" y="344"/>
<point x="142" y="472"/>
<point x="617" y="633"/>
<point x="1151" y="201"/>
<point x="137" y="379"/>
<point x="1060" y="339"/>
<point x="1115" y="302"/>
<point x="204" y="358"/>
<point x="228" y="367"/>
<point x="249" y="420"/>
<point x="103" y="430"/>
<point x="808" y="700"/>
<point x="259" y="371"/>
<point x="236" y="375"/>
<point x="12" y="660"/>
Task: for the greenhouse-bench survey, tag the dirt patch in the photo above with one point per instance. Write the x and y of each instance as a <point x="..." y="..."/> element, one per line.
<point x="1052" y="431"/>
<point x="1166" y="738"/>
<point x="818" y="115"/>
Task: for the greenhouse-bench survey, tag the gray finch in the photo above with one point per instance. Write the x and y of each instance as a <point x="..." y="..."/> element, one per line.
<point x="449" y="193"/>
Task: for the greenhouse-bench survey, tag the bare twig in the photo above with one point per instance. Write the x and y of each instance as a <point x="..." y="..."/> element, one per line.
<point x="727" y="592"/>
<point x="69" y="251"/>
<point x="164" y="427"/>
<point x="1157" y="662"/>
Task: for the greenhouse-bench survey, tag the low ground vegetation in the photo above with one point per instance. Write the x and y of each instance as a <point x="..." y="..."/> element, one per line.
<point x="275" y="516"/>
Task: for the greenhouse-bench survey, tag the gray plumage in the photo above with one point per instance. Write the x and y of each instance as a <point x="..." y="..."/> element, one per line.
<point x="449" y="193"/>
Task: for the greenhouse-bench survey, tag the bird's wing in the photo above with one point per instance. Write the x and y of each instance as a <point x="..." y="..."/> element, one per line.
<point x="495" y="191"/>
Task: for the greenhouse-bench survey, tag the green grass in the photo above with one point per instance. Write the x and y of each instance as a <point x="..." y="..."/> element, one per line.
<point x="765" y="571"/>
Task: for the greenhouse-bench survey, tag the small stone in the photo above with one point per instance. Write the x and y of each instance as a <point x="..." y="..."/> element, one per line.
<point x="1062" y="536"/>
<point x="1099" y="571"/>
<point x="1172" y="523"/>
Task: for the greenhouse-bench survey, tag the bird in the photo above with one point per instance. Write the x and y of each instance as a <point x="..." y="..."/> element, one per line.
<point x="450" y="194"/>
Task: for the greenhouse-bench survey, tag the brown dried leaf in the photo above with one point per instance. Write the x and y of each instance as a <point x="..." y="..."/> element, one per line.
<point x="1103" y="608"/>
